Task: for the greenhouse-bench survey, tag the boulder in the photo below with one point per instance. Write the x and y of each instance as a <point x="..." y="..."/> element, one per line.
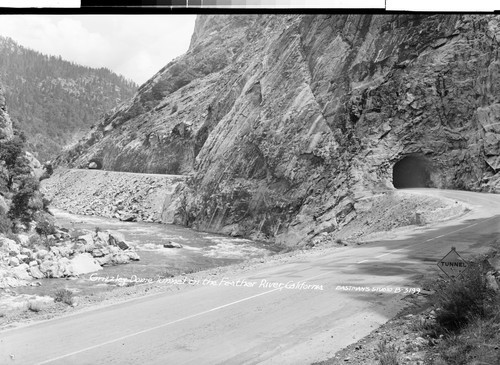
<point x="495" y="262"/>
<point x="9" y="246"/>
<point x="21" y="272"/>
<point x="171" y="244"/>
<point x="84" y="263"/>
<point x="120" y="258"/>
<point x="127" y="217"/>
<point x="117" y="239"/>
<point x="11" y="282"/>
<point x="23" y="258"/>
<point x="233" y="230"/>
<point x="35" y="272"/>
<point x="97" y="253"/>
<point x="55" y="250"/>
<point x="41" y="254"/>
<point x="86" y="239"/>
<point x="50" y="269"/>
<point x="65" y="251"/>
<point x="24" y="239"/>
<point x="102" y="237"/>
<point x="14" y="261"/>
<point x="133" y="255"/>
<point x="105" y="260"/>
<point x="26" y="251"/>
<point x="492" y="282"/>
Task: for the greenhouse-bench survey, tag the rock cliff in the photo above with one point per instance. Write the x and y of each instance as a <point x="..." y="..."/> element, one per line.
<point x="286" y="121"/>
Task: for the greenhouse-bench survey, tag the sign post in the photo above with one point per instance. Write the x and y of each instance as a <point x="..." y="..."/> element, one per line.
<point x="452" y="264"/>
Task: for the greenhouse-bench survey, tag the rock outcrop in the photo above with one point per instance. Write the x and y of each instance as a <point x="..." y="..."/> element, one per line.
<point x="286" y="121"/>
<point x="64" y="256"/>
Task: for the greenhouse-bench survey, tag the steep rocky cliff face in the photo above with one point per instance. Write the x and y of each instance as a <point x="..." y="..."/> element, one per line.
<point x="286" y="121"/>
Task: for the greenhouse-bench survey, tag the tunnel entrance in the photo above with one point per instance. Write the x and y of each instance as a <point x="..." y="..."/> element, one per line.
<point x="411" y="172"/>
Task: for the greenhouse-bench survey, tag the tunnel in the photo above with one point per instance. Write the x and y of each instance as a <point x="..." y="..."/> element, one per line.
<point x="95" y="164"/>
<point x="411" y="172"/>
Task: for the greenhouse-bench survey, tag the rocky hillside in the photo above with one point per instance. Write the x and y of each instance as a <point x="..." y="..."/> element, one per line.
<point x="53" y="99"/>
<point x="126" y="196"/>
<point x="286" y="121"/>
<point x="20" y="199"/>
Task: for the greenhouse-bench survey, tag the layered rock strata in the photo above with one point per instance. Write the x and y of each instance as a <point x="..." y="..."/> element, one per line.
<point x="286" y="121"/>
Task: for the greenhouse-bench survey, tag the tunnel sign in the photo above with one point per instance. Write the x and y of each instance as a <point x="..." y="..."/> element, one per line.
<point x="452" y="264"/>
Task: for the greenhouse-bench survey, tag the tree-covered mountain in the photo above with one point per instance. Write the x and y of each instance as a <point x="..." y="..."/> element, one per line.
<point x="55" y="100"/>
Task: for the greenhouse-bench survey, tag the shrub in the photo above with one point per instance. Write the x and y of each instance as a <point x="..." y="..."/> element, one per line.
<point x="14" y="237"/>
<point x="5" y="223"/>
<point x="64" y="296"/>
<point x="387" y="355"/>
<point x="465" y="298"/>
<point x="476" y="344"/>
<point x="35" y="306"/>
<point x="34" y="240"/>
<point x="46" y="202"/>
<point x="44" y="228"/>
<point x="10" y="150"/>
<point x="20" y="207"/>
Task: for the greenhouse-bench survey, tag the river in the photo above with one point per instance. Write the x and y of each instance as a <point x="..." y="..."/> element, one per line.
<point x="200" y="251"/>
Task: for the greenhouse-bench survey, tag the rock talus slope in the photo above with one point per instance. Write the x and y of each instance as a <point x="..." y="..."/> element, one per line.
<point x="285" y="121"/>
<point x="128" y="197"/>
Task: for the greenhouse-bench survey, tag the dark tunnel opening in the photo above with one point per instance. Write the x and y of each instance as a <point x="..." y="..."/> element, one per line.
<point x="411" y="172"/>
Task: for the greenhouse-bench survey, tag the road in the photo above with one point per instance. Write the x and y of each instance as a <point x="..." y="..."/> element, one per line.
<point x="216" y="323"/>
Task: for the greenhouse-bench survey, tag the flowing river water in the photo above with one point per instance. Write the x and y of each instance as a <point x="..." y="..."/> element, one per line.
<point x="199" y="251"/>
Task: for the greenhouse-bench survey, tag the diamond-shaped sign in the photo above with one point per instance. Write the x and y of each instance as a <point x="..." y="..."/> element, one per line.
<point x="452" y="264"/>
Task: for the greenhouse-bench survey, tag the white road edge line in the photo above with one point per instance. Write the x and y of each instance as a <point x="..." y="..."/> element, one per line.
<point x="165" y="324"/>
<point x="430" y="239"/>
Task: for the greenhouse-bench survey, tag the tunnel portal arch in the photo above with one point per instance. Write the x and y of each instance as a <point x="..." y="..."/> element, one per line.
<point x="411" y="172"/>
<point x="95" y="164"/>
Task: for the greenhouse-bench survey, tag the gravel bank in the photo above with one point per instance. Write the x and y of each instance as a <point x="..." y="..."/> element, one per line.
<point x="123" y="195"/>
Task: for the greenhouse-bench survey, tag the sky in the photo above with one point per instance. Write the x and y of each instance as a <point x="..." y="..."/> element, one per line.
<point x="135" y="46"/>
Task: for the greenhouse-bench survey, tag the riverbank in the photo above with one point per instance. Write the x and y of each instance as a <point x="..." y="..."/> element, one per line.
<point x="165" y="251"/>
<point x="126" y="282"/>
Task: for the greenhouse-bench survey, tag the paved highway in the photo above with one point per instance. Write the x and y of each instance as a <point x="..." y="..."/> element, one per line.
<point x="218" y="323"/>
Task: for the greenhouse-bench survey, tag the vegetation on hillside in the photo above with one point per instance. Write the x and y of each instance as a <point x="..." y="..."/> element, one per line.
<point x="468" y="318"/>
<point x="465" y="327"/>
<point x="19" y="188"/>
<point x="53" y="99"/>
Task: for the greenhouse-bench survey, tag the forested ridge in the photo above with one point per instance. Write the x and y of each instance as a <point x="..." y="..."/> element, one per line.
<point x="53" y="100"/>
